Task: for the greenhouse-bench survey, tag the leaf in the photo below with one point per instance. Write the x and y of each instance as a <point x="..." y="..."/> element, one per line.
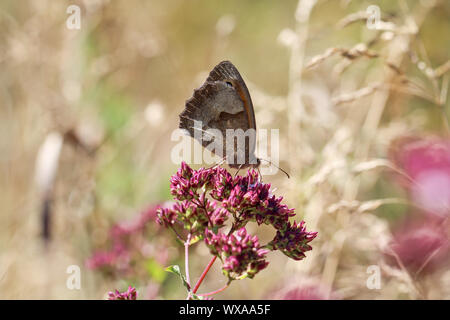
<point x="215" y="229"/>
<point x="175" y="269"/>
<point x="196" y="297"/>
<point x="195" y="240"/>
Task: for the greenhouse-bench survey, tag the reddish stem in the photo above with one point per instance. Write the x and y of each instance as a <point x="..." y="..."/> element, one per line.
<point x="199" y="282"/>
<point x="214" y="292"/>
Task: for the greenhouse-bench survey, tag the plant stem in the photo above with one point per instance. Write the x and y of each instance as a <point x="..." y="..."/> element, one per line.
<point x="177" y="234"/>
<point x="186" y="263"/>
<point x="186" y="258"/>
<point x="199" y="282"/>
<point x="214" y="292"/>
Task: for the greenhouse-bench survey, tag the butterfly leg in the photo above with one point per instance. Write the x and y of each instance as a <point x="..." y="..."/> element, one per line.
<point x="219" y="163"/>
<point x="239" y="169"/>
<point x="259" y="175"/>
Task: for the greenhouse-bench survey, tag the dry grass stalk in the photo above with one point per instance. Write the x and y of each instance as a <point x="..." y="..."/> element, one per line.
<point x="352" y="18"/>
<point x="359" y="50"/>
<point x="355" y="95"/>
<point x="441" y="70"/>
<point x="355" y="206"/>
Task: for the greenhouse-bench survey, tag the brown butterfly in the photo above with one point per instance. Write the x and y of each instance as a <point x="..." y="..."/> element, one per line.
<point x="223" y="103"/>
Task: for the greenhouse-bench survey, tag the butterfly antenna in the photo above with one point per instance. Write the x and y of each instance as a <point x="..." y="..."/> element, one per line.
<point x="270" y="162"/>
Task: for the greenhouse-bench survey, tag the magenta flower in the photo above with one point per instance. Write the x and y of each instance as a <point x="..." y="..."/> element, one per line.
<point x="115" y="260"/>
<point x="194" y="215"/>
<point x="427" y="163"/>
<point x="139" y="224"/>
<point x="245" y="197"/>
<point x="130" y="247"/>
<point x="293" y="240"/>
<point x="208" y="198"/>
<point x="251" y="200"/>
<point x="130" y="294"/>
<point x="302" y="290"/>
<point x="185" y="184"/>
<point x="305" y="293"/>
<point x="422" y="247"/>
<point x="166" y="217"/>
<point x="241" y="253"/>
<point x="223" y="184"/>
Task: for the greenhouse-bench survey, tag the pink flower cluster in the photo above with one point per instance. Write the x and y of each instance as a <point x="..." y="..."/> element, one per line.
<point x="422" y="243"/>
<point x="129" y="246"/>
<point x="427" y="164"/>
<point x="303" y="291"/>
<point x="208" y="198"/>
<point x="422" y="246"/>
<point x="293" y="240"/>
<point x="114" y="260"/>
<point x="137" y="225"/>
<point x="130" y="294"/>
<point x="241" y="253"/>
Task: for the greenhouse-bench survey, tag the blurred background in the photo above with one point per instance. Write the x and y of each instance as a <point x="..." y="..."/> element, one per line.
<point x="86" y="117"/>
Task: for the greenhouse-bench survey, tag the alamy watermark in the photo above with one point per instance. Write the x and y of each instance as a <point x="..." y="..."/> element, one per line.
<point x="73" y="281"/>
<point x="373" y="17"/>
<point x="73" y="21"/>
<point x="373" y="282"/>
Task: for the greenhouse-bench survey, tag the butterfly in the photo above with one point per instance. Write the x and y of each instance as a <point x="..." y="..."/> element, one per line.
<point x="223" y="105"/>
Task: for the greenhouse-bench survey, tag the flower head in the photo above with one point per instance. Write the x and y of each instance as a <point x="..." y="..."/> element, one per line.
<point x="194" y="215"/>
<point x="223" y="184"/>
<point x="241" y="253"/>
<point x="306" y="293"/>
<point x="208" y="198"/>
<point x="130" y="294"/>
<point x="185" y="184"/>
<point x="126" y="228"/>
<point x="293" y="240"/>
<point x="166" y="217"/>
<point x="253" y="201"/>
<point x="130" y="247"/>
<point x="422" y="247"/>
<point x="427" y="164"/>
<point x="115" y="259"/>
<point x="302" y="289"/>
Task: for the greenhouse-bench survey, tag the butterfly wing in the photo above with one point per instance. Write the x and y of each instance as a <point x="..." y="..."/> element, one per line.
<point x="227" y="71"/>
<point x="222" y="103"/>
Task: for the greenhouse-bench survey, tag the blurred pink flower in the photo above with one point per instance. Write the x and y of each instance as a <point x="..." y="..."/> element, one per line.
<point x="422" y="247"/>
<point x="117" y="258"/>
<point x="137" y="224"/>
<point x="311" y="290"/>
<point x="131" y="244"/>
<point x="427" y="163"/>
<point x="305" y="293"/>
<point x="130" y="294"/>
